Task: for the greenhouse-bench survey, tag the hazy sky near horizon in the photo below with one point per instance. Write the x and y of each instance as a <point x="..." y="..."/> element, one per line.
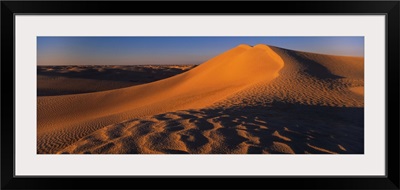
<point x="174" y="50"/>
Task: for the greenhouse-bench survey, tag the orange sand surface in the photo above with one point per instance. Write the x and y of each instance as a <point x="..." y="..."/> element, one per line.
<point x="259" y="99"/>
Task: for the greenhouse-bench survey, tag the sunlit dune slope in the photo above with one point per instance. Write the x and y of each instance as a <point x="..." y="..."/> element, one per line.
<point x="62" y="120"/>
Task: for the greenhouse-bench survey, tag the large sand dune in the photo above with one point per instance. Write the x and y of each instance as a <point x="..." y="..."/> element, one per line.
<point x="257" y="99"/>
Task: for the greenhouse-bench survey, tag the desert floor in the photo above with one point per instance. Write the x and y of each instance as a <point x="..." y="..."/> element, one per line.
<point x="248" y="100"/>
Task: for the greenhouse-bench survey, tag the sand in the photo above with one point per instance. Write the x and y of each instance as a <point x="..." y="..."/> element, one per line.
<point x="257" y="99"/>
<point x="358" y="90"/>
<point x="63" y="80"/>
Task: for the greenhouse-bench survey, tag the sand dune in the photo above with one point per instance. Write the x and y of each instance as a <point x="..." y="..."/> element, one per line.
<point x="309" y="79"/>
<point x="78" y="115"/>
<point x="257" y="99"/>
<point x="63" y="80"/>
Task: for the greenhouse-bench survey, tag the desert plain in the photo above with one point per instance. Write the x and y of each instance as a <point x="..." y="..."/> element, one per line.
<point x="248" y="100"/>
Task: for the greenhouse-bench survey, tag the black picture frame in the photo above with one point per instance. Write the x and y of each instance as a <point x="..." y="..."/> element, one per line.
<point x="10" y="8"/>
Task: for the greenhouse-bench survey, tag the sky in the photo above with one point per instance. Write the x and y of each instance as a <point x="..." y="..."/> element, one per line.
<point x="174" y="50"/>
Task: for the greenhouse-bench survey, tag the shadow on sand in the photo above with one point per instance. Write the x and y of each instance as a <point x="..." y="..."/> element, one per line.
<point x="278" y="128"/>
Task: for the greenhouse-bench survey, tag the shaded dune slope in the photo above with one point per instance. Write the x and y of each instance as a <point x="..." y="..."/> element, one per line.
<point x="309" y="79"/>
<point x="63" y="120"/>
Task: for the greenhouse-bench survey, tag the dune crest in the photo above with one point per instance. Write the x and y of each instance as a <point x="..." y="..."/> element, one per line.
<point x="63" y="120"/>
<point x="308" y="79"/>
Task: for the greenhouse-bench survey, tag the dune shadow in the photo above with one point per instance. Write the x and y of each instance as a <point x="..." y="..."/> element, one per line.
<point x="313" y="68"/>
<point x="277" y="128"/>
<point x="304" y="128"/>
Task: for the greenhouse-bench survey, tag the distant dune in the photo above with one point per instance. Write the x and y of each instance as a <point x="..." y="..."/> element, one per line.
<point x="257" y="99"/>
<point x="71" y="79"/>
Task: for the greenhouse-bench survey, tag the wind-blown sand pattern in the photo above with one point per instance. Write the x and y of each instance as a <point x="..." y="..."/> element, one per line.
<point x="257" y="99"/>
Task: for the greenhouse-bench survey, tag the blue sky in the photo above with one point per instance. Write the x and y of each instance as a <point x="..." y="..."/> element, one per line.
<point x="174" y="50"/>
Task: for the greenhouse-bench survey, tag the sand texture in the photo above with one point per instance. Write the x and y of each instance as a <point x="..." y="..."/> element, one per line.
<point x="259" y="99"/>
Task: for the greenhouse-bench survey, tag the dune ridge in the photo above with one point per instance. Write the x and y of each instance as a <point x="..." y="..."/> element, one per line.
<point x="63" y="120"/>
<point x="309" y="79"/>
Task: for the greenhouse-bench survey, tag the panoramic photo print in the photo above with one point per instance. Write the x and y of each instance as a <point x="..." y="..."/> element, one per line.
<point x="200" y="95"/>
